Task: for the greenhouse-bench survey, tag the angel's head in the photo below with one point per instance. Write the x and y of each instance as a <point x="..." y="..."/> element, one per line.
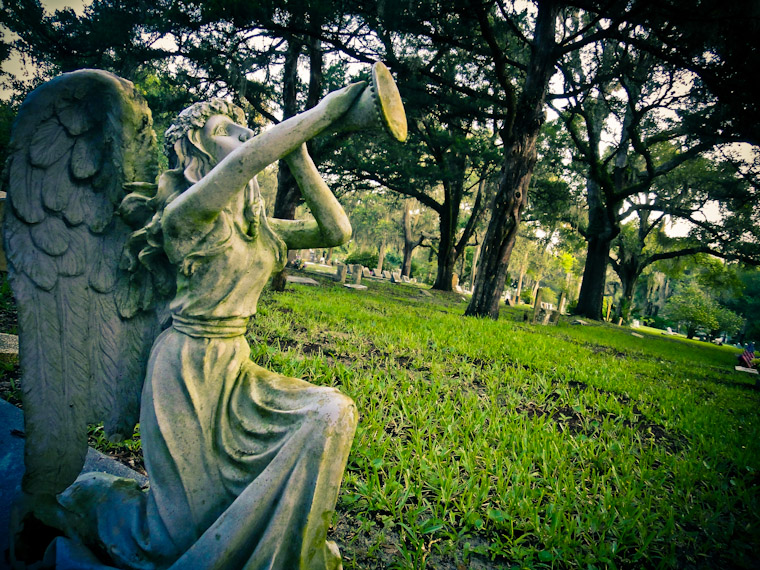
<point x="203" y="134"/>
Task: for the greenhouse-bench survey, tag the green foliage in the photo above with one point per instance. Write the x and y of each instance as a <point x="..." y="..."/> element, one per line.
<point x="548" y="295"/>
<point x="7" y="115"/>
<point x="392" y="259"/>
<point x="748" y="303"/>
<point x="372" y="217"/>
<point x="365" y="258"/>
<point x="692" y="307"/>
<point x="695" y="309"/>
<point x="128" y="451"/>
<point x="728" y="321"/>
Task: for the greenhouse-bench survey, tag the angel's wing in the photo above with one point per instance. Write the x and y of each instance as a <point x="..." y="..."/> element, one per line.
<point x="77" y="140"/>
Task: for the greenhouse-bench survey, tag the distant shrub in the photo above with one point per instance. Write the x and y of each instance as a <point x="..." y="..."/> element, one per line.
<point x="365" y="258"/>
<point x="548" y="296"/>
<point x="659" y="322"/>
<point x="392" y="259"/>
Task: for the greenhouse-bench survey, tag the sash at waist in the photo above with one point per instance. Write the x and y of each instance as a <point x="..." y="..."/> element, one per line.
<point x="210" y="328"/>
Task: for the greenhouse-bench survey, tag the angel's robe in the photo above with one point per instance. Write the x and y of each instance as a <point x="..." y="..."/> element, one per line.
<point x="244" y="464"/>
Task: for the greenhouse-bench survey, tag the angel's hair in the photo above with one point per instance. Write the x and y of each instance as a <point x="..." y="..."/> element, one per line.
<point x="188" y="163"/>
<point x="194" y="118"/>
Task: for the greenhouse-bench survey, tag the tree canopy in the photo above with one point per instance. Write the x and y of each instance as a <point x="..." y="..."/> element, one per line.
<point x="644" y="102"/>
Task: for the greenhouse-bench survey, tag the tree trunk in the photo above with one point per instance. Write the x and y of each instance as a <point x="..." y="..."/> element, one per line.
<point x="519" y="161"/>
<point x="604" y="206"/>
<point x="406" y="265"/>
<point x="381" y="256"/>
<point x="444" y="278"/>
<point x="455" y="164"/>
<point x="474" y="269"/>
<point x="288" y="193"/>
<point x="520" y="279"/>
<point x="534" y="292"/>
<point x="410" y="244"/>
<point x="629" y="278"/>
<point x="591" y="296"/>
<point x="446" y="251"/>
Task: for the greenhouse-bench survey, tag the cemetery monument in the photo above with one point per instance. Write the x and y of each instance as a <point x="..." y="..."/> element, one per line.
<point x="134" y="299"/>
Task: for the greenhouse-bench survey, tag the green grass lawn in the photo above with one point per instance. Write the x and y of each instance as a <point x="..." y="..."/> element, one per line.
<point x="502" y="444"/>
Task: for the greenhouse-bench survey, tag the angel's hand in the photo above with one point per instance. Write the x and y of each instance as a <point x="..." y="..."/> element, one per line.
<point x="338" y="102"/>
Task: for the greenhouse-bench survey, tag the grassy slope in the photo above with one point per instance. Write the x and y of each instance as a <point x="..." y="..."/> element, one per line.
<point x="501" y="444"/>
<point x="504" y="445"/>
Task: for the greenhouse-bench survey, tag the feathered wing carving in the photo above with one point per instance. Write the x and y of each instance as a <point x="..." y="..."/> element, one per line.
<point x="77" y="140"/>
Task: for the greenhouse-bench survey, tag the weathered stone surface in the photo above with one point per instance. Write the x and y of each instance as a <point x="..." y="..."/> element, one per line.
<point x="79" y="146"/>
<point x="8" y="348"/>
<point x="302" y="280"/>
<point x="341" y="272"/>
<point x="12" y="467"/>
<point x="3" y="261"/>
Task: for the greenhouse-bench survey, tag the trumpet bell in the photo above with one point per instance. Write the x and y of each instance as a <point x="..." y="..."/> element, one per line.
<point x="379" y="105"/>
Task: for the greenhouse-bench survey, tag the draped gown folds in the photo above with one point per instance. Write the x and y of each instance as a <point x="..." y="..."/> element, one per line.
<point x="244" y="464"/>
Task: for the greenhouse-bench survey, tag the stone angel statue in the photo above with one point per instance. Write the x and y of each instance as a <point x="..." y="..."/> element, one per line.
<point x="134" y="299"/>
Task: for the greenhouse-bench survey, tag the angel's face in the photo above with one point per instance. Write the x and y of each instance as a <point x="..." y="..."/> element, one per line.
<point x="220" y="136"/>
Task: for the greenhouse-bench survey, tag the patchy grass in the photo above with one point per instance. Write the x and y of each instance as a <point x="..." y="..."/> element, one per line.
<point x="491" y="445"/>
<point x="501" y="444"/>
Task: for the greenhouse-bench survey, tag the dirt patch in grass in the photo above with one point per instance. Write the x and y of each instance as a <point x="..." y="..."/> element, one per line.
<point x="589" y="423"/>
<point x="607" y="350"/>
<point x="373" y="546"/>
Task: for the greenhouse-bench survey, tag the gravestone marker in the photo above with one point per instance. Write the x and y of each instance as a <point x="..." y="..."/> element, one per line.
<point x="302" y="280"/>
<point x="341" y="272"/>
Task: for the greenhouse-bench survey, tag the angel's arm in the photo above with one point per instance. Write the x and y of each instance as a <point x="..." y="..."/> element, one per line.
<point x="199" y="205"/>
<point x="330" y="226"/>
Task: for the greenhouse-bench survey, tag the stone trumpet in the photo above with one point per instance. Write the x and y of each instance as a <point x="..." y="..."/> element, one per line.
<point x="379" y="106"/>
